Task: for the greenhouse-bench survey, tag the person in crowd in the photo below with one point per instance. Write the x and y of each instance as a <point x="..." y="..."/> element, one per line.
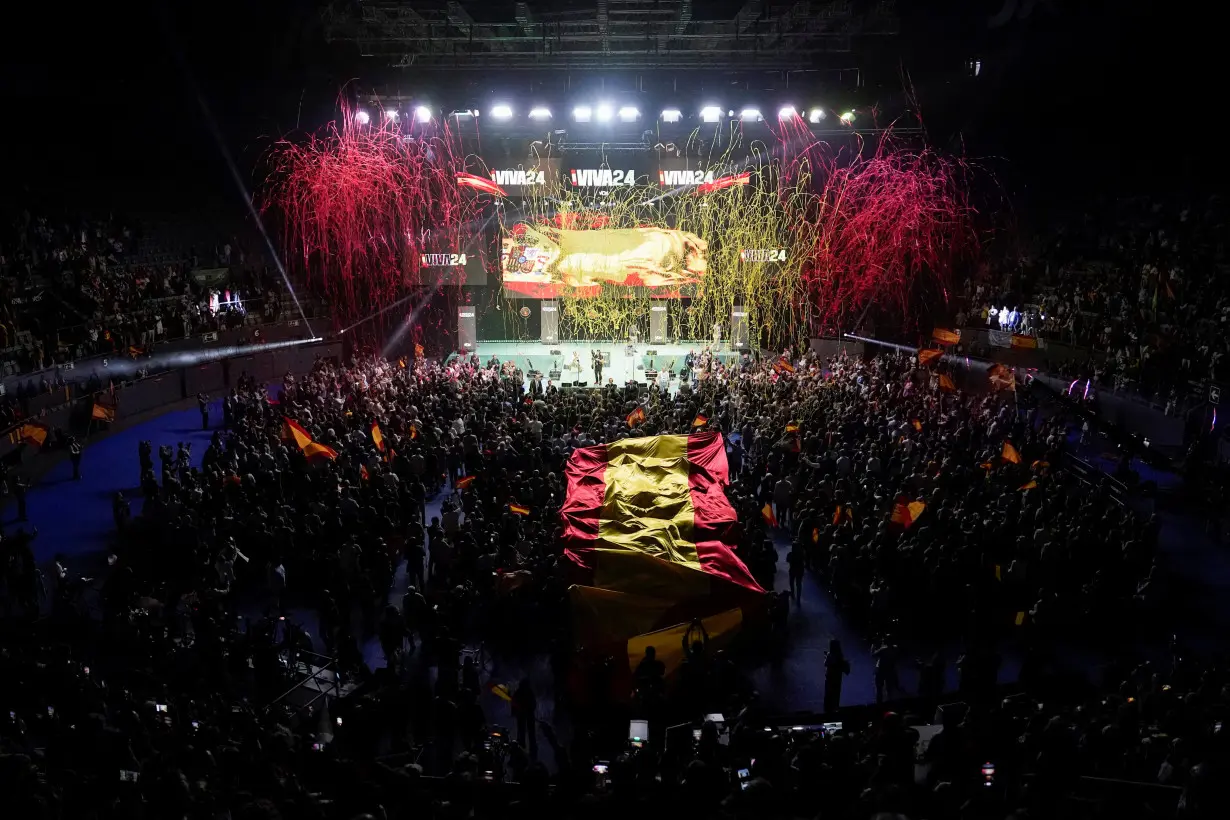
<point x="836" y="667"/>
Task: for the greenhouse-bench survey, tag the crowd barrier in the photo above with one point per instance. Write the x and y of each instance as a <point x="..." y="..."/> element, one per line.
<point x="72" y="411"/>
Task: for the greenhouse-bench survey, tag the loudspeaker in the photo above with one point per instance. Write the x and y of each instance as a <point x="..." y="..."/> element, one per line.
<point x="467" y="337"/>
<point x="657" y="322"/>
<point x="738" y="328"/>
<point x="549" y="322"/>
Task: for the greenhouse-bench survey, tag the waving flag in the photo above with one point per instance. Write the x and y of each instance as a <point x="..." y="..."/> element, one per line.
<point x="842" y="513"/>
<point x="946" y="384"/>
<point x="32" y="432"/>
<point x="783" y="365"/>
<point x="636" y="417"/>
<point x="792" y="427"/>
<point x="517" y="509"/>
<point x="946" y="337"/>
<point x="1009" y="453"/>
<point x="315" y="450"/>
<point x="363" y="473"/>
<point x="766" y="512"/>
<point x="926" y="357"/>
<point x="102" y="411"/>
<point x="464" y="482"/>
<point x="1029" y="485"/>
<point x="905" y="513"/>
<point x="377" y="437"/>
<point x="916" y="424"/>
<point x="293" y="431"/>
<point x="700" y="421"/>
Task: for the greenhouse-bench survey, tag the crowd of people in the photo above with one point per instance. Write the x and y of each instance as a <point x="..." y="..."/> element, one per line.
<point x="77" y="287"/>
<point x="153" y="689"/>
<point x="1140" y="282"/>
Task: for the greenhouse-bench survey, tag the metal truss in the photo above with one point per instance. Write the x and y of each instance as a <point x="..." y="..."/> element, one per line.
<point x="605" y="34"/>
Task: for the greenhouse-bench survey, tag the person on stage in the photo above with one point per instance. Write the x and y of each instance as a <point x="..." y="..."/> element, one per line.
<point x="717" y="334"/>
<point x="596" y="356"/>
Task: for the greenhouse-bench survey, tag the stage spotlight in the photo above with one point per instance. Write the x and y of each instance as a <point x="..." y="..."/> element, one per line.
<point x="711" y="113"/>
<point x="787" y="112"/>
<point x="847" y="117"/>
<point x="422" y="114"/>
<point x="582" y="113"/>
<point x="752" y="114"/>
<point x="604" y="113"/>
<point x="502" y="112"/>
<point x="540" y="113"/>
<point x="628" y="114"/>
<point x="815" y="115"/>
<point x="362" y="117"/>
<point x="390" y="114"/>
<point x="672" y="115"/>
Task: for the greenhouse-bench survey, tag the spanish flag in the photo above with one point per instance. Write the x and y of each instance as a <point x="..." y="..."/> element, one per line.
<point x="766" y="512"/>
<point x="390" y="455"/>
<point x="103" y="412"/>
<point x="842" y="513"/>
<point x="418" y="351"/>
<point x="700" y="421"/>
<point x="1029" y="485"/>
<point x="134" y="351"/>
<point x="926" y="357"/>
<point x="501" y="690"/>
<point x="946" y="383"/>
<point x="414" y="432"/>
<point x="1009" y="453"/>
<point x="905" y="513"/>
<point x="636" y="417"/>
<point x="650" y="537"/>
<point x="946" y="337"/>
<point x="783" y="365"/>
<point x="1024" y="342"/>
<point x="916" y="424"/>
<point x="293" y="431"/>
<point x="33" y="432"/>
<point x="815" y="535"/>
<point x="316" y="450"/>
<point x="792" y="427"/>
<point x="377" y="437"/>
<point x="464" y="482"/>
<point x="517" y="509"/>
<point x="363" y="473"/>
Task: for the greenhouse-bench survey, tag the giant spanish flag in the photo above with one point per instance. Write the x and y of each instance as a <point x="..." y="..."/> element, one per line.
<point x="650" y="535"/>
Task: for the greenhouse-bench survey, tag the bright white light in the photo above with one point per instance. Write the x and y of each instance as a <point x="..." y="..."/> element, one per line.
<point x="710" y="113"/>
<point x="501" y="112"/>
<point x="540" y="113"/>
<point x="582" y="113"/>
<point x="390" y="114"/>
<point x="815" y="115"/>
<point x="605" y="112"/>
<point x="628" y="114"/>
<point x="422" y="114"/>
<point x="847" y="117"/>
<point x="752" y="114"/>
<point x="362" y="117"/>
<point x="787" y="112"/>
<point x="672" y="115"/>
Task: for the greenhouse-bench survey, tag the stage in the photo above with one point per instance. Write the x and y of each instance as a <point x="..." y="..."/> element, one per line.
<point x="622" y="361"/>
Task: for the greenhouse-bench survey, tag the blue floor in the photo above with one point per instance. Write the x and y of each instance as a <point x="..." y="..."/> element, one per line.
<point x="74" y="519"/>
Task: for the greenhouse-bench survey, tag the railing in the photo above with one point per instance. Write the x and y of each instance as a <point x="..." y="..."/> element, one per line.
<point x="328" y="671"/>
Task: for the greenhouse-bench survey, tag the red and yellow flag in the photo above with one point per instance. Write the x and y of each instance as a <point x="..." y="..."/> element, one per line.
<point x="766" y="512"/>
<point x="32" y="432"/>
<point x="317" y="450"/>
<point x="1009" y="453"/>
<point x="464" y="482"/>
<point x="103" y="412"/>
<point x="654" y="511"/>
<point x="700" y="421"/>
<point x="414" y="432"/>
<point x="926" y="357"/>
<point x="905" y="513"/>
<point x="946" y="383"/>
<point x="916" y="424"/>
<point x="418" y="351"/>
<point x="636" y="417"/>
<point x="517" y="509"/>
<point x="783" y="365"/>
<point x="293" y="431"/>
<point x="377" y="437"/>
<point x="945" y="336"/>
<point x="815" y="535"/>
<point x="1024" y="342"/>
<point x="792" y="427"/>
<point x="1029" y="485"/>
<point x="363" y="473"/>
<point x="842" y="513"/>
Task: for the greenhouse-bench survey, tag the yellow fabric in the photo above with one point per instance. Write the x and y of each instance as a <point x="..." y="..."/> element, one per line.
<point x="635" y="572"/>
<point x="668" y="643"/>
<point x="647" y="507"/>
<point x="605" y="615"/>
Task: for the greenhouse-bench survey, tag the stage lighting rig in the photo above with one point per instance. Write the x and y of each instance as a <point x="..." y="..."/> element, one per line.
<point x="672" y="115"/>
<point x="502" y="112"/>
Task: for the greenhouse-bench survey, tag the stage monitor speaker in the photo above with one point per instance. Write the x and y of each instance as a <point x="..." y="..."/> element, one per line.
<point x="549" y="322"/>
<point x="467" y="337"/>
<point x="738" y="328"/>
<point x="657" y="322"/>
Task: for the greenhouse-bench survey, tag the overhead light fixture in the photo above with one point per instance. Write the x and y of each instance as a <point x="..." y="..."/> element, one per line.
<point x="390" y="114"/>
<point x="628" y="114"/>
<point x="604" y="113"/>
<point x="787" y="112"/>
<point x="815" y="115"/>
<point x="540" y="113"/>
<point x="582" y="113"/>
<point x="711" y="113"/>
<point x="752" y="114"/>
<point x="422" y="114"/>
<point x="362" y="117"/>
<point x="847" y="117"/>
<point x="502" y="112"/>
<point x="672" y="115"/>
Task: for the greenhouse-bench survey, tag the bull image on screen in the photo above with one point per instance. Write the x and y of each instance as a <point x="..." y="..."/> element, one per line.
<point x="541" y="259"/>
